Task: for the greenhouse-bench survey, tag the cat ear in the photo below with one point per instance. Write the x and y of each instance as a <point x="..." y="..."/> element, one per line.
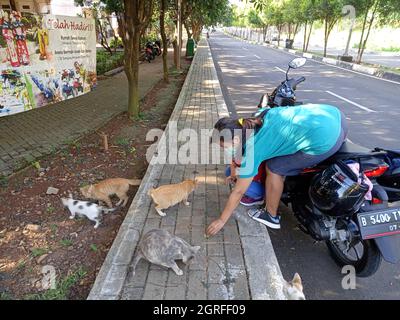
<point x="297" y="279"/>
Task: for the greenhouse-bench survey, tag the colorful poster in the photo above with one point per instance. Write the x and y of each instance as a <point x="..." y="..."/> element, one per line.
<point x="44" y="59"/>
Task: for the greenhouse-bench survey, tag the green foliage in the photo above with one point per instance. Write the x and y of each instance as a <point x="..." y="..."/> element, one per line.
<point x="37" y="252"/>
<point x="106" y="62"/>
<point x="93" y="247"/>
<point x="254" y="20"/>
<point x="3" y="181"/>
<point x="116" y="43"/>
<point x="123" y="142"/>
<point x="66" y="242"/>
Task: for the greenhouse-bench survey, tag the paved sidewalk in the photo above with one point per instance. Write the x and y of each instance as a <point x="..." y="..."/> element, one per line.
<point x="238" y="263"/>
<point x="31" y="135"/>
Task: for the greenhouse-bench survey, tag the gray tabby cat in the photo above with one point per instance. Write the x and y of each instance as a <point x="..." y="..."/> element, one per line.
<point x="160" y="247"/>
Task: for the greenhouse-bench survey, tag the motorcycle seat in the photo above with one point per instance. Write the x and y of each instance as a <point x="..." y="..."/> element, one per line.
<point x="350" y="147"/>
<point x="350" y="150"/>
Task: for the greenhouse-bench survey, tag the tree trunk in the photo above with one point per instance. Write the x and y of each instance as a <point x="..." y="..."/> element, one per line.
<point x="362" y="33"/>
<point x="279" y="34"/>
<point x="309" y="35"/>
<point x="189" y="34"/>
<point x="305" y="36"/>
<point x="325" y="36"/>
<point x="133" y="22"/>
<point x="13" y="5"/>
<point x="103" y="37"/>
<point x="164" y="40"/>
<point x="371" y="22"/>
<point x="175" y="46"/>
<point x="132" y="72"/>
<point x="264" y="33"/>
<point x="296" y="30"/>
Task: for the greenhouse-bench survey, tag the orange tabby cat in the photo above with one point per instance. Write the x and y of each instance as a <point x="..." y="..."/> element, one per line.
<point x="169" y="195"/>
<point x="106" y="188"/>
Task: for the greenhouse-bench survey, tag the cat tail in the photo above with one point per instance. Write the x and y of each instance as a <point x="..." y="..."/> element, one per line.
<point x="106" y="210"/>
<point x="134" y="182"/>
<point x="136" y="260"/>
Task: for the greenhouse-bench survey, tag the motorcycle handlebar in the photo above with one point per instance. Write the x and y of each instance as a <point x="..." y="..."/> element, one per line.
<point x="300" y="80"/>
<point x="293" y="83"/>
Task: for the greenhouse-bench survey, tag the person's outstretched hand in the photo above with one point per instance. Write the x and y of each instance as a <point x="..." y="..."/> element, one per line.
<point x="215" y="227"/>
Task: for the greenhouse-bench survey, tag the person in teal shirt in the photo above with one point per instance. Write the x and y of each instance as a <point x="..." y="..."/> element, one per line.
<point x="289" y="139"/>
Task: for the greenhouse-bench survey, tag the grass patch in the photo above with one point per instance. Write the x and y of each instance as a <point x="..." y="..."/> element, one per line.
<point x="36" y="165"/>
<point x="62" y="289"/>
<point x="5" y="296"/>
<point x="122" y="142"/>
<point x="391" y="49"/>
<point x="54" y="228"/>
<point x="3" y="182"/>
<point x="94" y="247"/>
<point x="37" y="252"/>
<point x="50" y="209"/>
<point x="66" y="242"/>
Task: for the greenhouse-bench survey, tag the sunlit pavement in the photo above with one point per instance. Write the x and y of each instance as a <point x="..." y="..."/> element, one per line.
<point x="371" y="106"/>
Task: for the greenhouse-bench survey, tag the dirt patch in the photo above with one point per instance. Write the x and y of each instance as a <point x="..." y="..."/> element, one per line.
<point x="35" y="231"/>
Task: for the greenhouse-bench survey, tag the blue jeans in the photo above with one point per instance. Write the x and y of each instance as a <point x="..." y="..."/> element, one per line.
<point x="256" y="189"/>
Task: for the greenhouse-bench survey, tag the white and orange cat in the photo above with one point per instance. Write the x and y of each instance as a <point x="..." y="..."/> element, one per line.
<point x="105" y="189"/>
<point x="169" y="195"/>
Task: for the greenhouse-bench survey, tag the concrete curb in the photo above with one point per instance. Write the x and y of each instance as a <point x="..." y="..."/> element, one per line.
<point x="371" y="71"/>
<point x="114" y="71"/>
<point x="265" y="277"/>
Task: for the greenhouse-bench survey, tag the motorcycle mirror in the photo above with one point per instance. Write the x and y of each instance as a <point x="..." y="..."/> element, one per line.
<point x="297" y="63"/>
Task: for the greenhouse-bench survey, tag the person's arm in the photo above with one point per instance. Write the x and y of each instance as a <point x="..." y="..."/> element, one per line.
<point x="233" y="201"/>
<point x="233" y="176"/>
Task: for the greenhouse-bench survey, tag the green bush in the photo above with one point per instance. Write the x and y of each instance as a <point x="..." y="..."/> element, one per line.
<point x="116" y="43"/>
<point x="107" y="62"/>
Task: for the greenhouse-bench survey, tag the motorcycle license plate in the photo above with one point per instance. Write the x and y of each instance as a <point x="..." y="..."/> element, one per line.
<point x="380" y="223"/>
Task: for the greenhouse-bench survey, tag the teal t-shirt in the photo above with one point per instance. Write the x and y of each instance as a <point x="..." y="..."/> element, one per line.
<point x="312" y="129"/>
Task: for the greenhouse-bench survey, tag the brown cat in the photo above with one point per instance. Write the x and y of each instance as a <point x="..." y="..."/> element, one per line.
<point x="106" y="188"/>
<point x="169" y="195"/>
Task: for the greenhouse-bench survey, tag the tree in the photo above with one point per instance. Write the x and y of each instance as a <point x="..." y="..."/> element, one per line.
<point x="292" y="17"/>
<point x="275" y="16"/>
<point x="163" y="9"/>
<point x="385" y="11"/>
<point x="308" y="17"/>
<point x="329" y="12"/>
<point x="133" y="17"/>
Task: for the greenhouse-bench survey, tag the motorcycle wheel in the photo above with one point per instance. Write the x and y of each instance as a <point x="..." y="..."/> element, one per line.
<point x="366" y="257"/>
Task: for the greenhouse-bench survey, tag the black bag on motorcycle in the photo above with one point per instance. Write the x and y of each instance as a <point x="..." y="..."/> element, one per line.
<point x="336" y="191"/>
<point x="390" y="180"/>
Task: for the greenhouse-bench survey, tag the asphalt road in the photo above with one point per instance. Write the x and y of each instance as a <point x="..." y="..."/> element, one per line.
<point x="371" y="106"/>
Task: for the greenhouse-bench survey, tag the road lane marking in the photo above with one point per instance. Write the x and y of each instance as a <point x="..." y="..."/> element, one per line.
<point x="257" y="56"/>
<point x="245" y="49"/>
<point x="281" y="70"/>
<point x="351" y="102"/>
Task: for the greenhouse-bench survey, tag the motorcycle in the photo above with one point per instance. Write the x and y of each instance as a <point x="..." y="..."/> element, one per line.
<point x="149" y="53"/>
<point x="359" y="237"/>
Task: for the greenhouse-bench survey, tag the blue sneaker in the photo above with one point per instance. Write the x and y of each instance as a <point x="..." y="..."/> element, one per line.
<point x="249" y="202"/>
<point x="264" y="217"/>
